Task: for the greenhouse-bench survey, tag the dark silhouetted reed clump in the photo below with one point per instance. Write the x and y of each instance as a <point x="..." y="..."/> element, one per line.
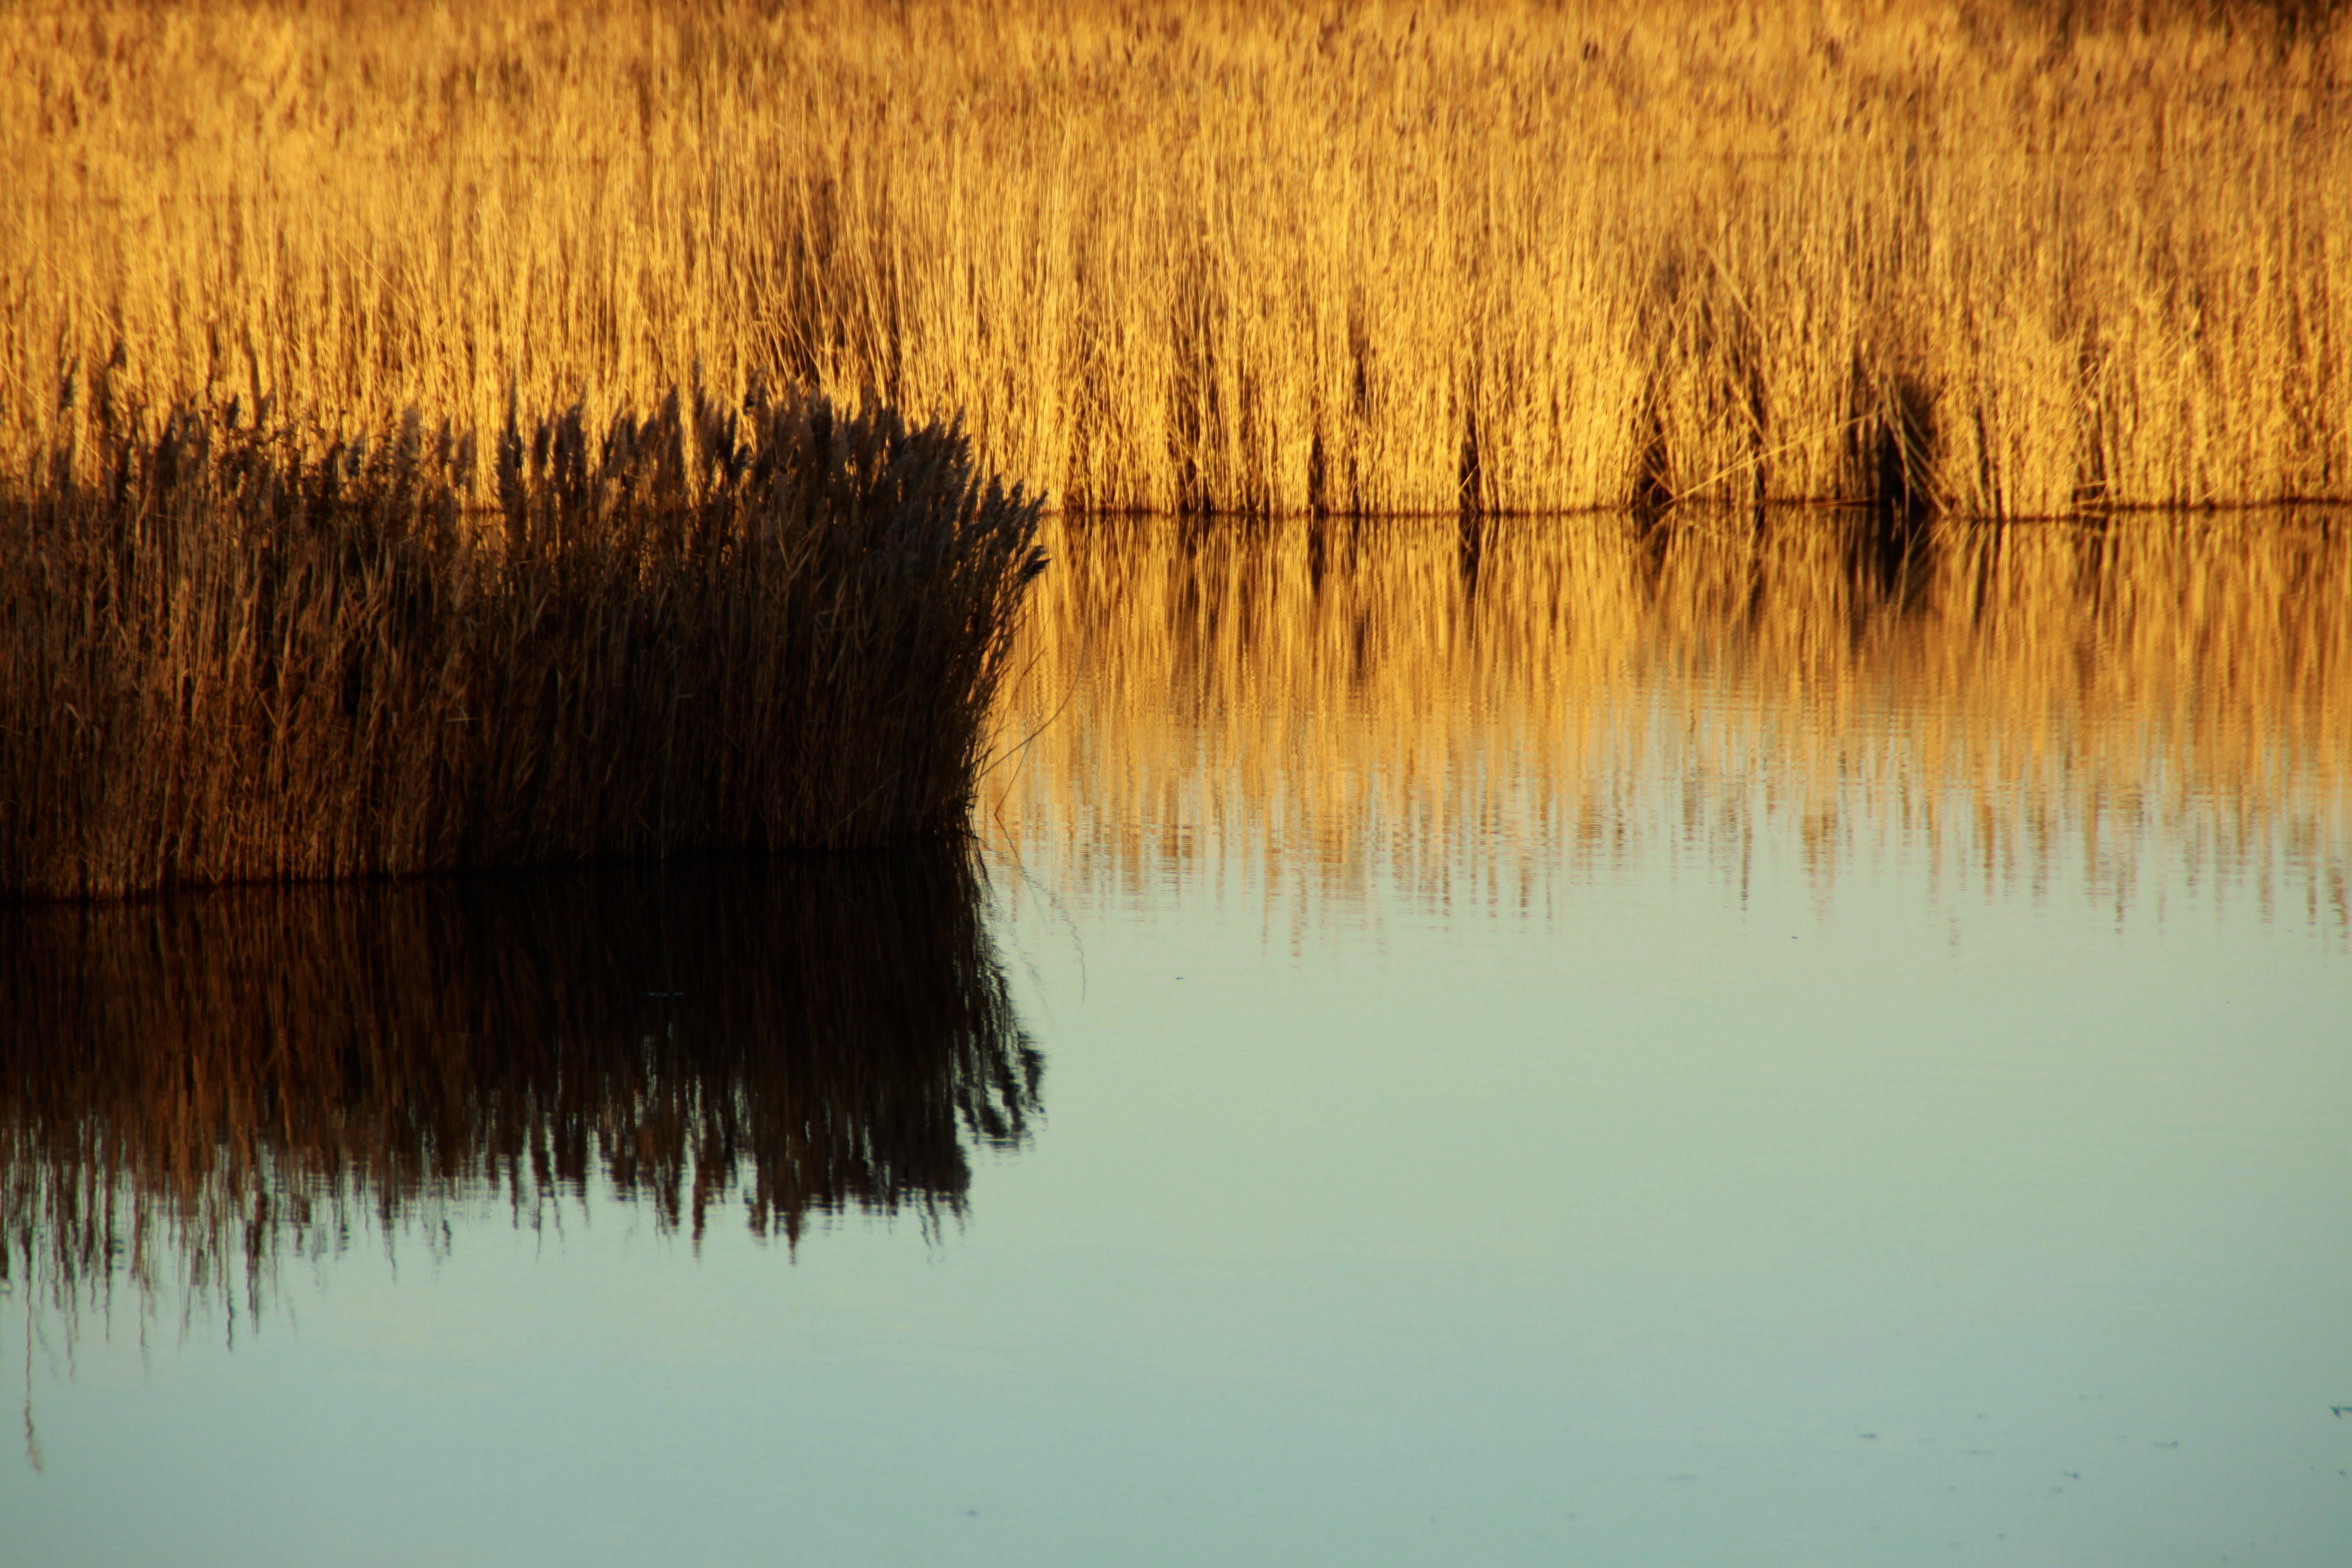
<point x="194" y="1089"/>
<point x="232" y="652"/>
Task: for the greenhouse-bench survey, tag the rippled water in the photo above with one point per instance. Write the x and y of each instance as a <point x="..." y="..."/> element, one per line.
<point x="1542" y="1042"/>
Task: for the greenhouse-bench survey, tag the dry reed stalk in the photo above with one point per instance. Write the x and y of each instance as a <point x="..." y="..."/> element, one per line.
<point x="1995" y="257"/>
<point x="230" y="654"/>
<point x="192" y="1089"/>
<point x="2148" y="713"/>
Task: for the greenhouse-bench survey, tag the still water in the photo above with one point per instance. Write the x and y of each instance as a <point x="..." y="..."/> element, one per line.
<point x="1545" y="1043"/>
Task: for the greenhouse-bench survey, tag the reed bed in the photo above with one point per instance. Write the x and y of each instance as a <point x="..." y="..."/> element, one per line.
<point x="1979" y="255"/>
<point x="194" y="1090"/>
<point x="1400" y="714"/>
<point x="232" y="652"/>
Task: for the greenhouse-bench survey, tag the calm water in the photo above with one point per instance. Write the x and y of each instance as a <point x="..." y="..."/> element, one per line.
<point x="1543" y="1045"/>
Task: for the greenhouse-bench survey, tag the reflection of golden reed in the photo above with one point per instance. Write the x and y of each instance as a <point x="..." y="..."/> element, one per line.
<point x="189" y="1087"/>
<point x="1338" y="703"/>
<point x="1176" y="253"/>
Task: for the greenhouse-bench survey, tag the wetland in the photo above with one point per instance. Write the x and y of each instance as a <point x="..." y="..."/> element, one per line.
<point x="997" y="782"/>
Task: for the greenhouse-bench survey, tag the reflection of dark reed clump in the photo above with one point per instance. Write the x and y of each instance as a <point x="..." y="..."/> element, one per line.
<point x="227" y="654"/>
<point x="190" y="1088"/>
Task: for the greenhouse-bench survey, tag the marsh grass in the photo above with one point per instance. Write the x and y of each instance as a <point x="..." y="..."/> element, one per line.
<point x="195" y="1090"/>
<point x="231" y="652"/>
<point x="1986" y="257"/>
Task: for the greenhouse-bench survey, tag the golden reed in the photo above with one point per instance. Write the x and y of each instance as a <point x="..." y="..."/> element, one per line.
<point x="1999" y="257"/>
<point x="227" y="657"/>
<point x="2150" y="713"/>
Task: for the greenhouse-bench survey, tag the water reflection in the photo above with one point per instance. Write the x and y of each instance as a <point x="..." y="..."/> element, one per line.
<point x="193" y="1088"/>
<point x="2146" y="710"/>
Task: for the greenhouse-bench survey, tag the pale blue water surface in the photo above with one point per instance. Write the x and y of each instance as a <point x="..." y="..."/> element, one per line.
<point x="1680" y="1207"/>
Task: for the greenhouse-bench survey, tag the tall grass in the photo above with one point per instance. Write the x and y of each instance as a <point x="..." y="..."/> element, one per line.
<point x="231" y="653"/>
<point x="1990" y="256"/>
<point x="193" y="1090"/>
<point x="2153" y="714"/>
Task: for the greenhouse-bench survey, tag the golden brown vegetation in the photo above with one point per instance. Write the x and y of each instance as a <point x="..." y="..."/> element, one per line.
<point x="2149" y="713"/>
<point x="192" y="1089"/>
<point x="2000" y="257"/>
<point x="225" y="657"/>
